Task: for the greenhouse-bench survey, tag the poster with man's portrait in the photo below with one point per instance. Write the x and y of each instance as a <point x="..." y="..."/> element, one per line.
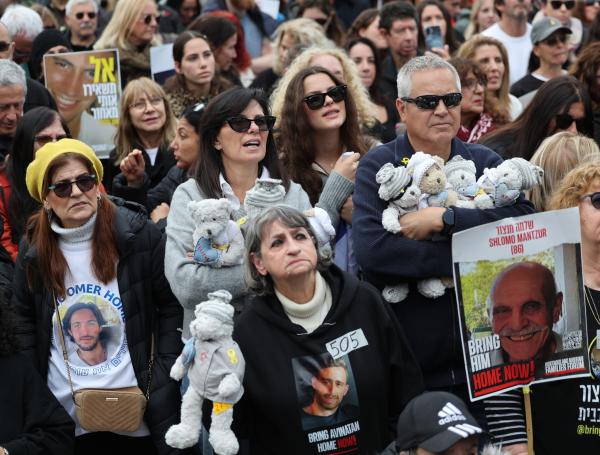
<point x="327" y="402"/>
<point x="86" y="87"/>
<point x="520" y="297"/>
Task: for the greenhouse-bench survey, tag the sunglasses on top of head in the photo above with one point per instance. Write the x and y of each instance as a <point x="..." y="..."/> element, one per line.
<point x="64" y="189"/>
<point x="317" y="100"/>
<point x="241" y="124"/>
<point x="430" y="102"/>
<point x="594" y="199"/>
<point x="556" y="4"/>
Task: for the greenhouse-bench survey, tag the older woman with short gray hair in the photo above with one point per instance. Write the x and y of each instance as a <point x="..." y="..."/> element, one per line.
<point x="315" y="339"/>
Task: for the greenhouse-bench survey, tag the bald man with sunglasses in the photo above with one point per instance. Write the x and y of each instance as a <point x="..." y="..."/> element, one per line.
<point x="429" y="105"/>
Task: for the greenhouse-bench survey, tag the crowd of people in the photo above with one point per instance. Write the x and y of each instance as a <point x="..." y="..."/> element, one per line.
<point x="99" y="278"/>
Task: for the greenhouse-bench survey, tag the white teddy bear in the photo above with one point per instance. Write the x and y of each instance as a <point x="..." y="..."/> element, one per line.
<point x="392" y="182"/>
<point x="266" y="192"/>
<point x="218" y="241"/>
<point x="215" y="367"/>
<point x="504" y="183"/>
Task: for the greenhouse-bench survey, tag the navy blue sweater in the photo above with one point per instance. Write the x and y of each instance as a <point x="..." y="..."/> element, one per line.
<point x="431" y="325"/>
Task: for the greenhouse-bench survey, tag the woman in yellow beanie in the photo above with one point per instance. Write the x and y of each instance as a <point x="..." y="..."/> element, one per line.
<point x="93" y="270"/>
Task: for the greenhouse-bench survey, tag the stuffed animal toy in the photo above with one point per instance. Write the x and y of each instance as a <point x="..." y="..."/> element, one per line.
<point x="428" y="175"/>
<point x="218" y="241"/>
<point x="265" y="193"/>
<point x="215" y="368"/>
<point x="504" y="183"/>
<point x="392" y="182"/>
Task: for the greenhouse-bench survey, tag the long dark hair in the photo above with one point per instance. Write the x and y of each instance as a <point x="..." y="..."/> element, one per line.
<point x="20" y="204"/>
<point x="527" y="132"/>
<point x="227" y="104"/>
<point x="374" y="90"/>
<point x="295" y="135"/>
<point x="177" y="81"/>
<point x="449" y="38"/>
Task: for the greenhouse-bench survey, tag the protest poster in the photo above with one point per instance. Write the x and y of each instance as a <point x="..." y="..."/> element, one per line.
<point x="519" y="291"/>
<point x="86" y="87"/>
<point x="162" y="65"/>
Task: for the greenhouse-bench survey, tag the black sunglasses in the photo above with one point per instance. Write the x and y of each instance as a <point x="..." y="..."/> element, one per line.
<point x="44" y="139"/>
<point x="317" y="100"/>
<point x="148" y="18"/>
<point x="241" y="124"/>
<point x="555" y="39"/>
<point x="556" y="4"/>
<point x="591" y="2"/>
<point x="65" y="188"/>
<point x="564" y="121"/>
<point x="594" y="199"/>
<point x="90" y="14"/>
<point x="430" y="102"/>
<point x="4" y="46"/>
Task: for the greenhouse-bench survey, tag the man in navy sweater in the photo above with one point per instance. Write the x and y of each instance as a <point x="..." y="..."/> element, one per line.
<point x="429" y="105"/>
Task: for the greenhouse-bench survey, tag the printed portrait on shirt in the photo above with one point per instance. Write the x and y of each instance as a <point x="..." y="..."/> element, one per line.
<point x="326" y="391"/>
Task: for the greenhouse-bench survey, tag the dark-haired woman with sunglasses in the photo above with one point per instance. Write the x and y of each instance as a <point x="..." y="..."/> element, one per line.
<point x="237" y="147"/>
<point x="551" y="51"/>
<point x="186" y="148"/>
<point x="561" y="104"/>
<point x="133" y="30"/>
<point x="84" y="249"/>
<point x="320" y="140"/>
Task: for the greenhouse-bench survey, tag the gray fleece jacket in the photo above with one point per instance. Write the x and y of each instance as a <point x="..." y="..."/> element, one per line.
<point x="191" y="282"/>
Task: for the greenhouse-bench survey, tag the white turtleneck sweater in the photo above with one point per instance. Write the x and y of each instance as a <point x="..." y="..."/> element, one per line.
<point x="82" y="286"/>
<point x="311" y="314"/>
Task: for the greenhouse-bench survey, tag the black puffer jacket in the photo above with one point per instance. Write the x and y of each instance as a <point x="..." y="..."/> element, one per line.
<point x="149" y="307"/>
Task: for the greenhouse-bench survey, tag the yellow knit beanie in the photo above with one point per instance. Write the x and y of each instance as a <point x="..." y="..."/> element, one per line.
<point x="36" y="171"/>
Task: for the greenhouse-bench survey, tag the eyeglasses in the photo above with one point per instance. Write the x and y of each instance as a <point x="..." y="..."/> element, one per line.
<point x="564" y="121"/>
<point x="430" y="102"/>
<point x="592" y="2"/>
<point x="241" y="124"/>
<point x="140" y="105"/>
<point x="594" y="199"/>
<point x="470" y="83"/>
<point x="4" y="46"/>
<point x="46" y="138"/>
<point x="148" y="19"/>
<point x="81" y="14"/>
<point x="555" y="39"/>
<point x="556" y="4"/>
<point x="317" y="100"/>
<point x="64" y="189"/>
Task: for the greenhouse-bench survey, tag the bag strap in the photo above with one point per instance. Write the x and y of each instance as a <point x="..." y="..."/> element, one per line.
<point x="66" y="357"/>
<point x="61" y="335"/>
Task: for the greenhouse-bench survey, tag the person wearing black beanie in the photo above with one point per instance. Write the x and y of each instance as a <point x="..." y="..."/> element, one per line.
<point x="50" y="41"/>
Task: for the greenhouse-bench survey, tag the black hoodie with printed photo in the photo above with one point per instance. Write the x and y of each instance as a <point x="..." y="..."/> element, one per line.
<point x="283" y="362"/>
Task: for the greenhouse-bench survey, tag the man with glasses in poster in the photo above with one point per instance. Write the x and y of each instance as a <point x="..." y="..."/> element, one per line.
<point x="81" y="19"/>
<point x="429" y="96"/>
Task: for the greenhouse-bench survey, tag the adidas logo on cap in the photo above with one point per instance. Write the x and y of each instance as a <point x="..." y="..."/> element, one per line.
<point x="450" y="413"/>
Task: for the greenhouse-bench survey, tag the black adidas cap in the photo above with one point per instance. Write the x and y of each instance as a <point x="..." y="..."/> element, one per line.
<point x="435" y="421"/>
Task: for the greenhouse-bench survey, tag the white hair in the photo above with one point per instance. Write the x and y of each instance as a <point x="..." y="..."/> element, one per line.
<point x="12" y="74"/>
<point x="72" y="3"/>
<point x="418" y="64"/>
<point x="20" y="20"/>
